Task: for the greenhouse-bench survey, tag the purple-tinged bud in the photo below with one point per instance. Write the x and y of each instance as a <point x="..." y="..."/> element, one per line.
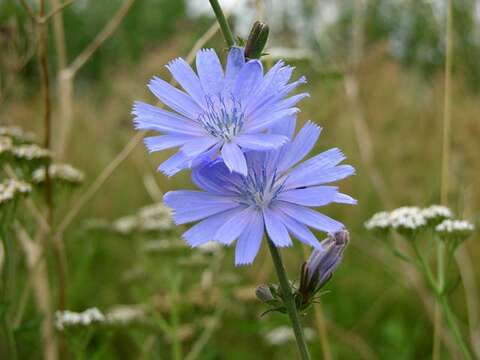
<point x="322" y="263"/>
<point x="264" y="294"/>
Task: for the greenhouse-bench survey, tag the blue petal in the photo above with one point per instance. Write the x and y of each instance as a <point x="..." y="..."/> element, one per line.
<point x="289" y="102"/>
<point x="198" y="146"/>
<point x="232" y="229"/>
<point x="310" y="196"/>
<point x="268" y="119"/>
<point x="210" y="71"/>
<point x="205" y="230"/>
<point x="162" y="142"/>
<point x="249" y="241"/>
<point x="316" y="170"/>
<point x="276" y="229"/>
<point x="186" y="77"/>
<point x="344" y="199"/>
<point x="285" y="127"/>
<point x="247" y="80"/>
<point x="310" y="217"/>
<point x="206" y="157"/>
<point x="300" y="231"/>
<point x="269" y="102"/>
<point x="149" y="117"/>
<point x="234" y="158"/>
<point x="174" y="164"/>
<point x="188" y="205"/>
<point x="260" y="141"/>
<point x="235" y="62"/>
<point x="274" y="80"/>
<point x="215" y="177"/>
<point x="298" y="178"/>
<point x="300" y="146"/>
<point x="175" y="99"/>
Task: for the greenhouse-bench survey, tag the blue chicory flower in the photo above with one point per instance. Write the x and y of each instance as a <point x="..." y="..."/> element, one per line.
<point x="219" y="112"/>
<point x="276" y="195"/>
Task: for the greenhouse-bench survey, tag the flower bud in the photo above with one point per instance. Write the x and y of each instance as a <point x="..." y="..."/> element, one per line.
<point x="321" y="264"/>
<point x="256" y="40"/>
<point x="264" y="294"/>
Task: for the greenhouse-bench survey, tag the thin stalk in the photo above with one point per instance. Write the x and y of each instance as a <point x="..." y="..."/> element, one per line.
<point x="289" y="301"/>
<point x="174" y="318"/>
<point x="437" y="324"/>
<point x="58" y="248"/>
<point x="452" y="325"/>
<point x="222" y="21"/>
<point x="8" y="273"/>
<point x="441" y="299"/>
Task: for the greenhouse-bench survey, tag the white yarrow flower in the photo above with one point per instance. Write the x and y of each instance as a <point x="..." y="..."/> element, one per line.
<point x="455" y="229"/>
<point x="68" y="318"/>
<point x="16" y="133"/>
<point x="62" y="172"/>
<point x="407" y="218"/>
<point x="30" y="152"/>
<point x="10" y="188"/>
<point x="124" y="314"/>
<point x="5" y="144"/>
<point x="379" y="221"/>
<point x="284" y="334"/>
<point x="437" y="213"/>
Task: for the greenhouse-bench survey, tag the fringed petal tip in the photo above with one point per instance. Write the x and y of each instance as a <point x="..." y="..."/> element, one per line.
<point x="243" y="263"/>
<point x="173" y="62"/>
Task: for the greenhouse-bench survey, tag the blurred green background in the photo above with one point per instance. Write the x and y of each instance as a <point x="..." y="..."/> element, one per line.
<point x="391" y="52"/>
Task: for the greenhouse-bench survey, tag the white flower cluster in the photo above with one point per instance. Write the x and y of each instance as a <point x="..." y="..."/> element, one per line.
<point x="121" y="314"/>
<point x="284" y="334"/>
<point x="455" y="228"/>
<point x="164" y="245"/>
<point x="11" y="188"/>
<point x="210" y="247"/>
<point x="31" y="152"/>
<point x="62" y="172"/>
<point x="379" y="221"/>
<point x="68" y="318"/>
<point x="437" y="212"/>
<point x="16" y="133"/>
<point x="5" y="144"/>
<point x="156" y="217"/>
<point x="152" y="218"/>
<point x="125" y="225"/>
<point x="408" y="218"/>
<point x="124" y="314"/>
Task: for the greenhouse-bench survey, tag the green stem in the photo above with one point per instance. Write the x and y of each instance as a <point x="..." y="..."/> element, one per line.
<point x="437" y="323"/>
<point x="289" y="301"/>
<point x="441" y="298"/>
<point x="174" y="318"/>
<point x="425" y="268"/>
<point x="452" y="325"/>
<point x="7" y="292"/>
<point x="222" y="21"/>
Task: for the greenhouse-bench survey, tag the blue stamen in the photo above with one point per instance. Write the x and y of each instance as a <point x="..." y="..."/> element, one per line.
<point x="223" y="118"/>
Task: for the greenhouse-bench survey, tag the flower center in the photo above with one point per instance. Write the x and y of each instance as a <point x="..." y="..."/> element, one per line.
<point x="224" y="117"/>
<point x="260" y="188"/>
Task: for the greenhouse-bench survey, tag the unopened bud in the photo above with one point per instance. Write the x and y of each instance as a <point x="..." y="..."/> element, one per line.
<point x="320" y="266"/>
<point x="264" y="293"/>
<point x="257" y="40"/>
